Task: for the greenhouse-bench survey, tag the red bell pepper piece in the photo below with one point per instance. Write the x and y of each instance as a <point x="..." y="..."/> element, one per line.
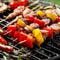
<point x="13" y="5"/>
<point x="23" y="3"/>
<point x="29" y="42"/>
<point x="30" y="18"/>
<point x="50" y="31"/>
<point x="41" y="23"/>
<point x="28" y="38"/>
<point x="11" y="29"/>
<point x="22" y="36"/>
<point x="58" y="19"/>
<point x="16" y="35"/>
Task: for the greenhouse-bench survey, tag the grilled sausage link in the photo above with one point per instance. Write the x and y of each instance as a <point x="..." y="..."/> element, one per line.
<point x="3" y="41"/>
<point x="6" y="48"/>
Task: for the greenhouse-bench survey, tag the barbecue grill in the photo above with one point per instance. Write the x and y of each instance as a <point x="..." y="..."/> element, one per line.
<point x="49" y="50"/>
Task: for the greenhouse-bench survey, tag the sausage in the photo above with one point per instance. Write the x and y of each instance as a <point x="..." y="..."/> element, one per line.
<point x="3" y="41"/>
<point x="6" y="48"/>
<point x="2" y="31"/>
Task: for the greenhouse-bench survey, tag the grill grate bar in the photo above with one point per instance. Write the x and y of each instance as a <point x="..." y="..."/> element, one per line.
<point x="41" y="53"/>
<point x="35" y="57"/>
<point x="49" y="51"/>
<point x="52" y="48"/>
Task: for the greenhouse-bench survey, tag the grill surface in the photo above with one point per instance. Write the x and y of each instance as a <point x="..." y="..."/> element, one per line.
<point x="48" y="50"/>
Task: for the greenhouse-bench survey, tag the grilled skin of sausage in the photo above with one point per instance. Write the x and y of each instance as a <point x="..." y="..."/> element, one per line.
<point x="6" y="48"/>
<point x="3" y="41"/>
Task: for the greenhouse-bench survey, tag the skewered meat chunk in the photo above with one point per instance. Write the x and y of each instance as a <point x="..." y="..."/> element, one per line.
<point x="57" y="11"/>
<point x="45" y="34"/>
<point x="3" y="7"/>
<point x="50" y="31"/>
<point x="21" y="8"/>
<point x="34" y="25"/>
<point x="47" y="21"/>
<point x="28" y="12"/>
<point x="56" y="28"/>
<point x="16" y="12"/>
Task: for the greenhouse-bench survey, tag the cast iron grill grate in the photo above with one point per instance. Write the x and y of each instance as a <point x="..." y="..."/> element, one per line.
<point x="48" y="50"/>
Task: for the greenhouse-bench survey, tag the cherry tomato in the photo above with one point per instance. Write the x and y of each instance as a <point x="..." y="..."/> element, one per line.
<point x="13" y="5"/>
<point x="58" y="19"/>
<point x="23" y="2"/>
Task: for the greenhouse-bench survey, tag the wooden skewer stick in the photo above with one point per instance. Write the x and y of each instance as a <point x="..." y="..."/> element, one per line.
<point x="10" y="23"/>
<point x="21" y="42"/>
<point x="15" y="40"/>
<point x="36" y="7"/>
<point x="33" y="3"/>
<point x="6" y="33"/>
<point x="2" y="20"/>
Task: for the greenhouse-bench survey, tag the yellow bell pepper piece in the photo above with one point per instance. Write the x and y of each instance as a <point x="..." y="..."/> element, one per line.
<point x="39" y="37"/>
<point x="52" y="16"/>
<point x="40" y="13"/>
<point x="21" y="23"/>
